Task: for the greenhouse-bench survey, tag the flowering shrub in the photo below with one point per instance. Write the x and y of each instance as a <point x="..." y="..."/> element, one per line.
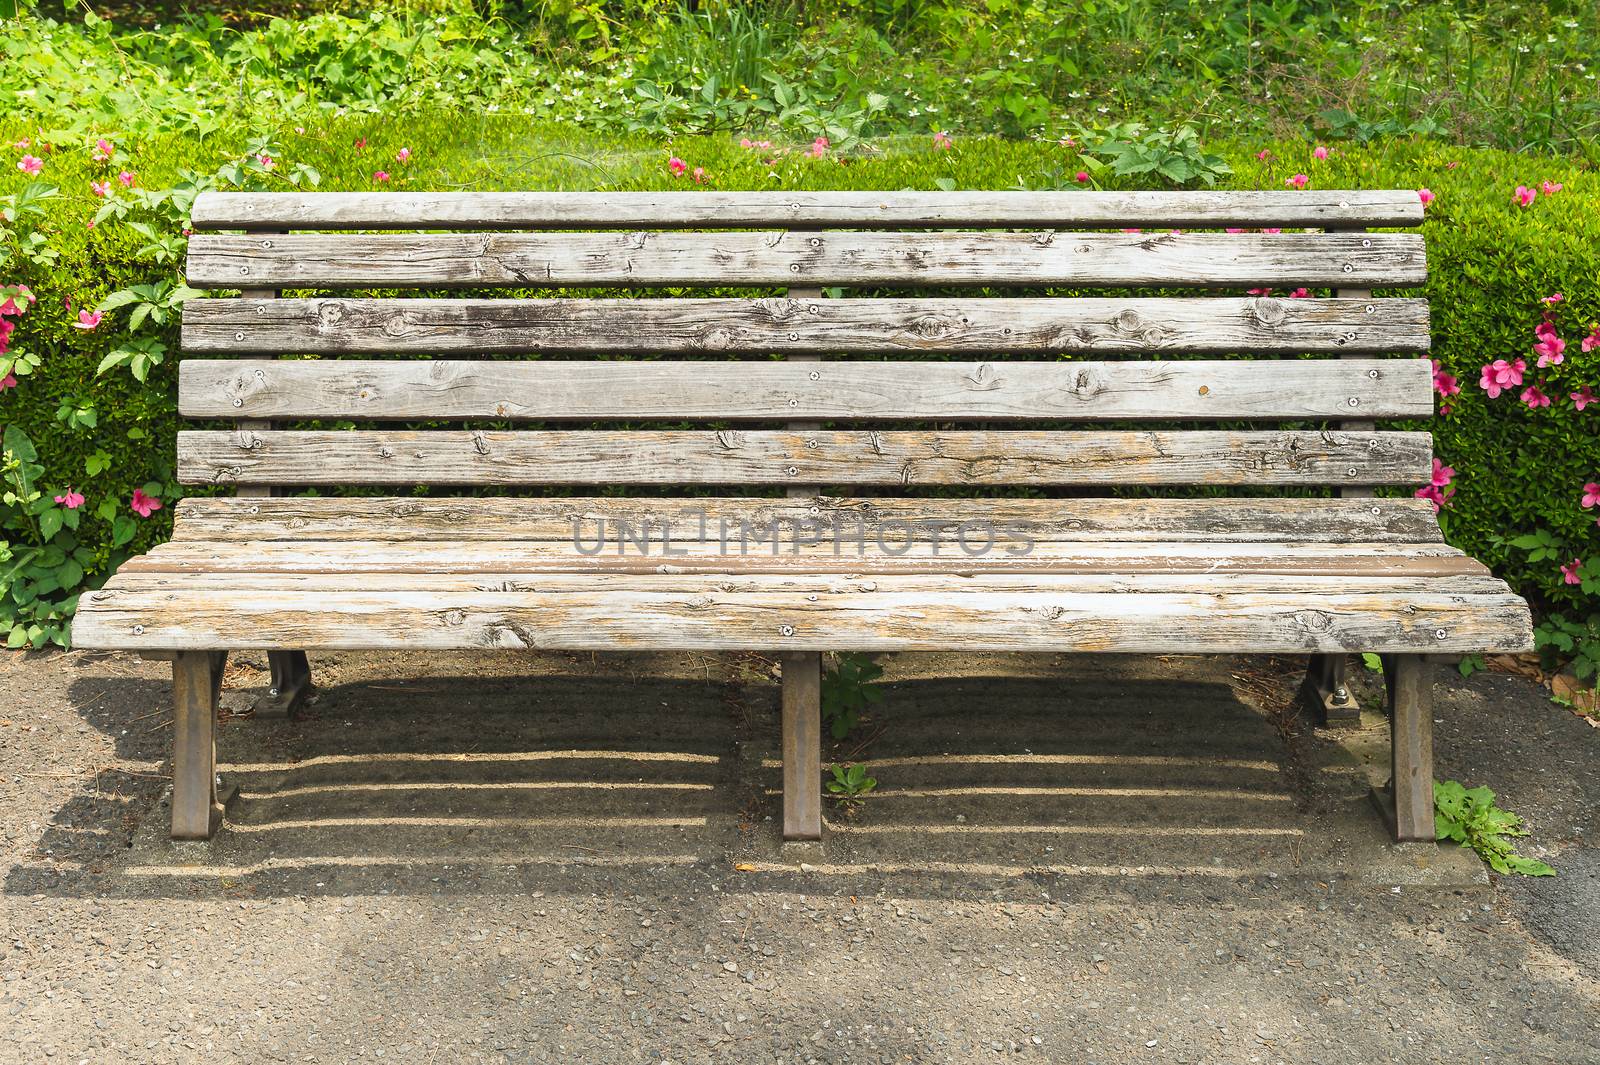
<point x="87" y="396"/>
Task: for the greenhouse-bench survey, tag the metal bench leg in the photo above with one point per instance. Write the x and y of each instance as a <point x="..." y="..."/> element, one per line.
<point x="1324" y="697"/>
<point x="1409" y="798"/>
<point x="802" y="745"/>
<point x="196" y="682"/>
<point x="291" y="683"/>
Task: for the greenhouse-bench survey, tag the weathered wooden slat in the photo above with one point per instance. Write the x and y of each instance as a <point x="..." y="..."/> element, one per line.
<point x="1012" y="621"/>
<point x="816" y="210"/>
<point x="537" y="260"/>
<point x="212" y="518"/>
<point x="942" y="391"/>
<point x="655" y="326"/>
<point x="856" y="457"/>
<point x="986" y="550"/>
<point x="956" y="583"/>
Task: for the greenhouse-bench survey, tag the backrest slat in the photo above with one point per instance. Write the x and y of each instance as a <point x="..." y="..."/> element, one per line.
<point x="547" y="390"/>
<point x="759" y="326"/>
<point x="803" y="210"/>
<point x="743" y="258"/>
<point x="780" y="457"/>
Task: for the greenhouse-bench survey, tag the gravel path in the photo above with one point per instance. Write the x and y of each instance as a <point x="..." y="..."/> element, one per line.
<point x="658" y="920"/>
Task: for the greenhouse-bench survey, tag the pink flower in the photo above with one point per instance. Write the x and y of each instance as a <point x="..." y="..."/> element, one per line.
<point x="1569" y="572"/>
<point x="1591" y="341"/>
<point x="126" y="177"/>
<point x="1270" y="232"/>
<point x="1299" y="181"/>
<point x="87" y="320"/>
<point x="819" y="148"/>
<point x="1552" y="299"/>
<point x="403" y="156"/>
<point x="699" y="175"/>
<point x="1133" y="231"/>
<point x="1499" y="375"/>
<point x="266" y="161"/>
<point x="103" y="150"/>
<point x="1233" y="229"/>
<point x="1534" y="398"/>
<point x="144" y="505"/>
<point x="1524" y="196"/>
<point x="1319" y="152"/>
<point x="1258" y="291"/>
<point x="1444" y="383"/>
<point x="1068" y="142"/>
<point x="360" y="143"/>
<point x="1583" y="397"/>
<point x="677" y="166"/>
<point x="1426" y="196"/>
<point x="1591" y="495"/>
<point x="1081" y="176"/>
<point x="1263" y="155"/>
<point x="941" y="140"/>
<point x="23" y="143"/>
<point x="1551" y="187"/>
<point x="8" y="381"/>
<point x="71" y="500"/>
<point x="1439" y="497"/>
<point x="1300" y="294"/>
<point x="380" y="176"/>
<point x="1550" y="347"/>
<point x="30" y="164"/>
<point x="101" y="189"/>
<point x="1442" y="474"/>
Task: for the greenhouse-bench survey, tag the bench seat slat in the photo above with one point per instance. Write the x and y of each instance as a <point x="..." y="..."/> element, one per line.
<point x="540" y="260"/>
<point x="613" y="580"/>
<point x="770" y="457"/>
<point x="481" y="556"/>
<point x="663" y="326"/>
<point x="610" y="210"/>
<point x="1156" y="622"/>
<point x="214" y="518"/>
<point x="944" y="391"/>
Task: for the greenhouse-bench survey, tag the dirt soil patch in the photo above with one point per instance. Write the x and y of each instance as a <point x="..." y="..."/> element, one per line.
<point x="557" y="857"/>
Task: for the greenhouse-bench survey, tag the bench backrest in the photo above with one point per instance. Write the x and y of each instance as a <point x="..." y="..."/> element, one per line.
<point x="903" y="375"/>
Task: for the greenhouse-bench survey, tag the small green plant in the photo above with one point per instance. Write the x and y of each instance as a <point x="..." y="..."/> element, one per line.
<point x="850" y="784"/>
<point x="1471" y="664"/>
<point x="1372" y="662"/>
<point x="1470" y="817"/>
<point x="1128" y="149"/>
<point x="847" y="690"/>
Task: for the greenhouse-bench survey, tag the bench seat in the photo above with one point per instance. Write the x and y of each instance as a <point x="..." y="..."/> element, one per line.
<point x="1123" y="595"/>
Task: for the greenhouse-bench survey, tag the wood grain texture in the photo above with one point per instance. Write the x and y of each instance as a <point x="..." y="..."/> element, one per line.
<point x="667" y="326"/>
<point x="934" y="579"/>
<point x="538" y="260"/>
<point x="216" y="518"/>
<point x="857" y="457"/>
<point x="761" y="552"/>
<point x="945" y="391"/>
<point x="802" y="745"/>
<point x="1409" y="680"/>
<point x="1010" y="621"/>
<point x="196" y="677"/>
<point x="821" y="210"/>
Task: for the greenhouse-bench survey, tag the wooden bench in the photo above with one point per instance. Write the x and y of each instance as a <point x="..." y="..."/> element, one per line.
<point x="887" y="435"/>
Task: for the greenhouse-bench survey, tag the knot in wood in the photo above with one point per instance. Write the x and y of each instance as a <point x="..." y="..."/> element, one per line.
<point x="330" y="313"/>
<point x="1269" y="312"/>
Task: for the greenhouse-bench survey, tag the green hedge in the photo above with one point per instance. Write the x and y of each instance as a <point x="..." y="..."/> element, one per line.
<point x="1519" y="471"/>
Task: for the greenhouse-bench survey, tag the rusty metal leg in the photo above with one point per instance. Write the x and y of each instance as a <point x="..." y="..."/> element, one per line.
<point x="1325" y="697"/>
<point x="291" y="683"/>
